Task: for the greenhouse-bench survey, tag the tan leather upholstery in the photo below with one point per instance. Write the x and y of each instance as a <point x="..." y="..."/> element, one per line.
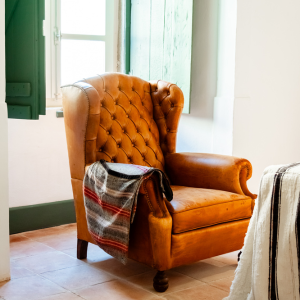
<point x="211" y="171"/>
<point x="125" y="119"/>
<point x="194" y="208"/>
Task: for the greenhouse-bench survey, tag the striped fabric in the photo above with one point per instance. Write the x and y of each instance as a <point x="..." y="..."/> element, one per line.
<point x="110" y="197"/>
<point x="269" y="268"/>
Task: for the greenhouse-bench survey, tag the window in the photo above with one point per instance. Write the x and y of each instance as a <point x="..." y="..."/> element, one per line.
<point x="81" y="41"/>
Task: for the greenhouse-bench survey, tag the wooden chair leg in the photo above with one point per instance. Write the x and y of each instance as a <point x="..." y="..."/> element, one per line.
<point x="161" y="281"/>
<point x="82" y="247"/>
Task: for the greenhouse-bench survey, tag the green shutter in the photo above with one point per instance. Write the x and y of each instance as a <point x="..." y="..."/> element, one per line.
<point x="161" y="42"/>
<point x="127" y="35"/>
<point x="25" y="58"/>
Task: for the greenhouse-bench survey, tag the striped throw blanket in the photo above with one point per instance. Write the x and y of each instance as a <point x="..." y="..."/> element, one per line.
<point x="270" y="262"/>
<point x="110" y="198"/>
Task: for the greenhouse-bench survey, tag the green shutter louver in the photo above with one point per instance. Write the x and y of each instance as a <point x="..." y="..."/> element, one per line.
<point x="161" y="42"/>
<point x="25" y="58"/>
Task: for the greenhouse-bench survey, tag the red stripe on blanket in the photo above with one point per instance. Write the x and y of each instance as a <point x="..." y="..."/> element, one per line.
<point x="93" y="196"/>
<point x="108" y="242"/>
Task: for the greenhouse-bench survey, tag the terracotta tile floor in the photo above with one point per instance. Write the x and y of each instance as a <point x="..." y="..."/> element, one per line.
<point x="44" y="266"/>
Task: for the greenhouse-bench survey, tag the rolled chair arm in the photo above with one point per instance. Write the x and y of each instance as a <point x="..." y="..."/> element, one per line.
<point x="211" y="171"/>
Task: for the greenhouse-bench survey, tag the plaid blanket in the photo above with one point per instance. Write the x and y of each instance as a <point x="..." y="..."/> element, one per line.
<point x="110" y="197"/>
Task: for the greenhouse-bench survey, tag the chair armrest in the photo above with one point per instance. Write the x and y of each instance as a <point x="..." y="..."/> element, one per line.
<point x="150" y="188"/>
<point x="160" y="223"/>
<point x="210" y="171"/>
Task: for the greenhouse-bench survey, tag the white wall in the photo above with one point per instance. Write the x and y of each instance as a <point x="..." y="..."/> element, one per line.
<point x="4" y="221"/>
<point x="267" y="89"/>
<point x="195" y="129"/>
<point x="224" y="100"/>
<point x="38" y="161"/>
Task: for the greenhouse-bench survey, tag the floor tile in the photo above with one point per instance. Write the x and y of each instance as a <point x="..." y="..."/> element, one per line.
<point x="78" y="277"/>
<point x="54" y="231"/>
<point x="213" y="262"/>
<point x="223" y="284"/>
<point x="48" y="262"/>
<point x="44" y="265"/>
<point x="228" y="258"/>
<point x="27" y="248"/>
<point x="206" y="272"/>
<point x="29" y="288"/>
<point x="116" y="268"/>
<point x="63" y="296"/>
<point x="19" y="237"/>
<point x="61" y="241"/>
<point x="177" y="281"/>
<point x="115" y="290"/>
<point x="17" y="271"/>
<point x="94" y="254"/>
<point x="202" y="292"/>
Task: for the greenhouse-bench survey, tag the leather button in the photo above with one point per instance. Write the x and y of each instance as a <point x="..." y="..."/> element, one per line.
<point x="168" y="129"/>
<point x="168" y="93"/>
<point x="115" y="103"/>
<point x="172" y="105"/>
<point x="112" y="161"/>
<point x="143" y="104"/>
<point x="129" y="102"/>
<point x="129" y="160"/>
<point x="127" y="116"/>
<point x="100" y="150"/>
<point x="108" y="132"/>
<point x="123" y="131"/>
<point x="101" y="105"/>
<point x="112" y="117"/>
<point x="133" y="88"/>
<point x="132" y="145"/>
<point x="118" y="145"/>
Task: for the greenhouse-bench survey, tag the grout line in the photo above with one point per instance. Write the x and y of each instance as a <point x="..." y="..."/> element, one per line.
<point x="41" y="275"/>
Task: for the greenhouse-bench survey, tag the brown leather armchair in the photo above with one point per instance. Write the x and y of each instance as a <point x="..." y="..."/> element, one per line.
<point x="125" y="119"/>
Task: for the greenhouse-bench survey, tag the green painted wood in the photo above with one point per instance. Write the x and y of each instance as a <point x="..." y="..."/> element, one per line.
<point x="25" y="54"/>
<point x="33" y="217"/>
<point x="156" y="39"/>
<point x="10" y="7"/>
<point x="140" y="38"/>
<point x="59" y="114"/>
<point x="178" y="46"/>
<point x="18" y="89"/>
<point x="127" y="37"/>
<point x="161" y="42"/>
<point x="19" y="111"/>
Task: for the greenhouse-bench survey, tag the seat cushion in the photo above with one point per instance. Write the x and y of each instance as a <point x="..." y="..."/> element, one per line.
<point x="193" y="208"/>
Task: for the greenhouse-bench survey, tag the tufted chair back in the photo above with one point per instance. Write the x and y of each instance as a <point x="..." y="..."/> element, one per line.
<point x="121" y="119"/>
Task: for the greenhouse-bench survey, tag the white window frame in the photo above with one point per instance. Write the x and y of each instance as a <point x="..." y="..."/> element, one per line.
<point x="53" y="50"/>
